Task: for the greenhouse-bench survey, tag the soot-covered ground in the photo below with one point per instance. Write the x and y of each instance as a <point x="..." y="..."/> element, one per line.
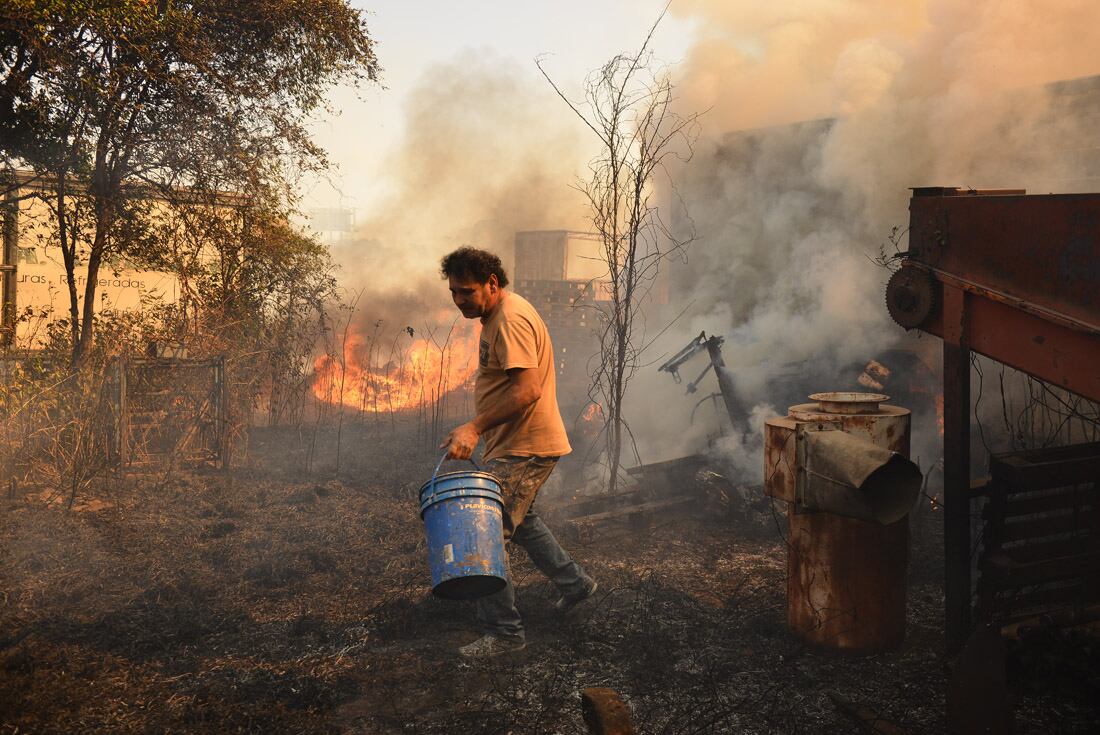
<point x="273" y="600"/>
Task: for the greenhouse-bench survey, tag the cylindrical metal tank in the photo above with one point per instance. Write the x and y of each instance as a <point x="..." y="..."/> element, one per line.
<point x="846" y="578"/>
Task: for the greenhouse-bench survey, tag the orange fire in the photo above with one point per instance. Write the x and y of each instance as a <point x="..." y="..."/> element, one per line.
<point x="593" y="412"/>
<point x="939" y="413"/>
<point x="412" y="376"/>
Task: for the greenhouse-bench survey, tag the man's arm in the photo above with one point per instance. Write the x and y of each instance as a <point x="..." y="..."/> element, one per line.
<point x="524" y="389"/>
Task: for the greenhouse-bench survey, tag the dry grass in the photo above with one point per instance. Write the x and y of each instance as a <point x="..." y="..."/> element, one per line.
<point x="267" y="601"/>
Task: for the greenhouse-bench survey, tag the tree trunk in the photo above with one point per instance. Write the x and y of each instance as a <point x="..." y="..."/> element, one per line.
<point x="82" y="348"/>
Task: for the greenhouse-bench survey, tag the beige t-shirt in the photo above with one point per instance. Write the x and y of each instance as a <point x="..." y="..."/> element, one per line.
<point x="514" y="336"/>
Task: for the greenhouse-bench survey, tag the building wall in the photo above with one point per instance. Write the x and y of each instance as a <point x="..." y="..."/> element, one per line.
<point x="558" y="272"/>
<point x="1077" y="100"/>
<point x="559" y="255"/>
<point x="33" y="286"/>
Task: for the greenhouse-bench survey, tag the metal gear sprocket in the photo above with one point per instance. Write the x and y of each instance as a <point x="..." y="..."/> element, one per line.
<point x="911" y="296"/>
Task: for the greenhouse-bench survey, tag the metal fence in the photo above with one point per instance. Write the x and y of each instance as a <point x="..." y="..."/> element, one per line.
<point x="169" y="410"/>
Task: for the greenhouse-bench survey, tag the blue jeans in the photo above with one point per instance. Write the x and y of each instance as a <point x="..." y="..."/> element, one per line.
<point x="521" y="478"/>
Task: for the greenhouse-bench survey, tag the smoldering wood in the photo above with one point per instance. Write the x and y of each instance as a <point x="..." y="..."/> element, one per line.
<point x="672" y="486"/>
<point x="605" y="712"/>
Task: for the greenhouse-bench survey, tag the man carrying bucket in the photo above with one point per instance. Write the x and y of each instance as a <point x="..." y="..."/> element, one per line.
<point x="518" y="419"/>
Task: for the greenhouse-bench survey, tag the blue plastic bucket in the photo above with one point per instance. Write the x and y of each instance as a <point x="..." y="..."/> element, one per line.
<point x="462" y="521"/>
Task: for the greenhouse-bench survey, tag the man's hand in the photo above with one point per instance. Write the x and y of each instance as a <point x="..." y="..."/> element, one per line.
<point x="523" y="391"/>
<point x="461" y="442"/>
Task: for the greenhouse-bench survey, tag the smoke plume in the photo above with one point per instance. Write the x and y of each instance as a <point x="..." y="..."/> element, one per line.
<point x="821" y="116"/>
<point x="485" y="153"/>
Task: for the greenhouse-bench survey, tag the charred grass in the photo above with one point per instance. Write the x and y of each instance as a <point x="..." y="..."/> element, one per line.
<point x="267" y="600"/>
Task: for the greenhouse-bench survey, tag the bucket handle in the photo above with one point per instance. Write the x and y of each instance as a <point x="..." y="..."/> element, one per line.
<point x="440" y="464"/>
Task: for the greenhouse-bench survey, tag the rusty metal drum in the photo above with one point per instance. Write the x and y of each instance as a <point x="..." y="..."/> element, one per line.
<point x="846" y="578"/>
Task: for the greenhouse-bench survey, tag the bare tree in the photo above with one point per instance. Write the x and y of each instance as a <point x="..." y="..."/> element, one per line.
<point x="628" y="104"/>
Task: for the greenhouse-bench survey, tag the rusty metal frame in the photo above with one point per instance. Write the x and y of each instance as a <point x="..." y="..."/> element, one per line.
<point x="1026" y="337"/>
<point x="214" y="407"/>
<point x="1017" y="279"/>
<point x="1041" y="538"/>
<point x="956" y="465"/>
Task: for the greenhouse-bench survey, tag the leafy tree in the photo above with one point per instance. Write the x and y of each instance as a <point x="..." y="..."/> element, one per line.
<point x="114" y="104"/>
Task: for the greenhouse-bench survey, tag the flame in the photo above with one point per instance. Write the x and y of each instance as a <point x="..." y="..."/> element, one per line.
<point x="593" y="412"/>
<point x="939" y="413"/>
<point x="417" y="375"/>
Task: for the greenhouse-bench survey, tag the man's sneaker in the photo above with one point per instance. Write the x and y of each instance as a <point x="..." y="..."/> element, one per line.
<point x="490" y="645"/>
<point x="568" y="602"/>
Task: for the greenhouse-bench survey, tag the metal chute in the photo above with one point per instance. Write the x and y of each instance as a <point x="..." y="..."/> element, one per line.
<point x="843" y="474"/>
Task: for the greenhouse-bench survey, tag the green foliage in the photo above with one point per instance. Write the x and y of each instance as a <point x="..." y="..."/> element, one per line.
<point x="115" y="103"/>
<point x="164" y="134"/>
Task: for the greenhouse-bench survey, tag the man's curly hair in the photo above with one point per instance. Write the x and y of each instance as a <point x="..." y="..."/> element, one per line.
<point x="472" y="264"/>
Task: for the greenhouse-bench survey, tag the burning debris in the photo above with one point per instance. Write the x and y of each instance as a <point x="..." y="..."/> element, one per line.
<point x="662" y="490"/>
<point x="412" y="375"/>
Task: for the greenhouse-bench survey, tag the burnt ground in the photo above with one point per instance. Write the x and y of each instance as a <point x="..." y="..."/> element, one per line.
<point x="271" y="600"/>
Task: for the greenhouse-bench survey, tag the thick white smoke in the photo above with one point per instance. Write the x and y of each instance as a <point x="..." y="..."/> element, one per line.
<point x="886" y="96"/>
<point x="821" y="115"/>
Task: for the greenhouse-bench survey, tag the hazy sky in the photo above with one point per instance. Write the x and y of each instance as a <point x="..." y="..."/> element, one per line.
<point x="574" y="35"/>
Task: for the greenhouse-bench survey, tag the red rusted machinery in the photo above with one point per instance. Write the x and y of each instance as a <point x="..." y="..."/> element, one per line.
<point x="1015" y="278"/>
